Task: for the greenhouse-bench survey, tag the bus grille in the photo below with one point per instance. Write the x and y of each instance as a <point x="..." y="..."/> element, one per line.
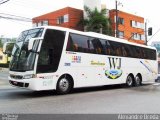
<point x="19" y="84"/>
<point x="16" y="76"/>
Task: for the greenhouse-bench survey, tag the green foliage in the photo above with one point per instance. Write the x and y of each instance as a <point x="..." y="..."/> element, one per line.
<point x="97" y="20"/>
<point x="1" y="44"/>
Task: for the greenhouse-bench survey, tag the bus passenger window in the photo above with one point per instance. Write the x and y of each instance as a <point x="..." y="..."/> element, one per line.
<point x="118" y="51"/>
<point x="108" y="51"/>
<point x="98" y="50"/>
<point x="124" y="51"/>
<point x="75" y="47"/>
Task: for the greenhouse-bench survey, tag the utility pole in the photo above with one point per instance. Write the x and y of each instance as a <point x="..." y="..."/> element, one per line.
<point x="146" y="39"/>
<point x="116" y="32"/>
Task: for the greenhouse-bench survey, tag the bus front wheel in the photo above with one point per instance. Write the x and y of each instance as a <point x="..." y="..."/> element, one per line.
<point x="64" y="85"/>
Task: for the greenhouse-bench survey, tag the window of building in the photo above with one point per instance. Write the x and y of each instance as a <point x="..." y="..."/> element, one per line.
<point x="142" y="26"/>
<point x="60" y="20"/>
<point x="131" y="23"/>
<point x="66" y="18"/>
<point x="136" y="24"/>
<point x="63" y="19"/>
<point x="39" y="24"/>
<point x="136" y="36"/>
<point x="45" y="23"/>
<point x="121" y="34"/>
<point x="140" y="37"/>
<point x="121" y="21"/>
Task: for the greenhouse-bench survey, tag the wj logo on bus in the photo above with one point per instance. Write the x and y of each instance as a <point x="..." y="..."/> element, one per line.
<point x="114" y="71"/>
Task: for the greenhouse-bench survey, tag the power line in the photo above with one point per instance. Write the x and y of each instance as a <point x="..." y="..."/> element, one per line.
<point x="18" y="22"/>
<point x="2" y="1"/>
<point x="18" y="19"/>
<point x="14" y="16"/>
<point x="154" y="34"/>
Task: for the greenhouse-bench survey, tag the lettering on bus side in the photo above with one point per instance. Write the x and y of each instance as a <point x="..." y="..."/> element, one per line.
<point x="114" y="71"/>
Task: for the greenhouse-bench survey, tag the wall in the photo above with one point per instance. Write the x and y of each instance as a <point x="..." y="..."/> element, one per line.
<point x="126" y="27"/>
<point x="75" y="15"/>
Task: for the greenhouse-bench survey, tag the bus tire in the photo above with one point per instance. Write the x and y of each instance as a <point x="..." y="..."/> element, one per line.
<point x="129" y="81"/>
<point x="64" y="85"/>
<point x="138" y="81"/>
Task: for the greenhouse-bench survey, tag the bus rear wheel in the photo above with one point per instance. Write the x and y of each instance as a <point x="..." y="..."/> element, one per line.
<point x="129" y="81"/>
<point x="64" y="85"/>
<point x="138" y="81"/>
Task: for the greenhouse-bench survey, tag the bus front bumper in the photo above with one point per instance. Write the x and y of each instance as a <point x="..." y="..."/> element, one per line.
<point x="36" y="84"/>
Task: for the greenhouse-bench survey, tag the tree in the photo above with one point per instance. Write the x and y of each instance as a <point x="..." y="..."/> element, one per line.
<point x="97" y="21"/>
<point x="1" y="44"/>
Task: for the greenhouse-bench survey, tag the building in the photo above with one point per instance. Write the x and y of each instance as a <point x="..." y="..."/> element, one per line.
<point x="156" y="44"/>
<point x="130" y="27"/>
<point x="92" y="5"/>
<point x="66" y="17"/>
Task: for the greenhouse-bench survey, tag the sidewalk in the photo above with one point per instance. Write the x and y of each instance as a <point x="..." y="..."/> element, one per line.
<point x="4" y="76"/>
<point x="4" y="69"/>
<point x="4" y="87"/>
<point x="4" y="82"/>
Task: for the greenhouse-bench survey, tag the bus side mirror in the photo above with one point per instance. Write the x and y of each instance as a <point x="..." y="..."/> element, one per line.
<point x="8" y="47"/>
<point x="30" y="44"/>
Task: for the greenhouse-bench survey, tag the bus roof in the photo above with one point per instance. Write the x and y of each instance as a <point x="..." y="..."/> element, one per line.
<point x="98" y="35"/>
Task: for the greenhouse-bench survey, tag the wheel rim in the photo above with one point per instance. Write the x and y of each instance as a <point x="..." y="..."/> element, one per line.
<point x="138" y="80"/>
<point x="129" y="81"/>
<point x="64" y="84"/>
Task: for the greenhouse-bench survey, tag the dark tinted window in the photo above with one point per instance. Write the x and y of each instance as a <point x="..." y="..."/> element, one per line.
<point x="87" y="44"/>
<point x="78" y="43"/>
<point x="107" y="48"/>
<point x="97" y="45"/>
<point x="51" y="50"/>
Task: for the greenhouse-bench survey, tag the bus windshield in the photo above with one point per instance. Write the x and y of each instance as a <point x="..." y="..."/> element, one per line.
<point x="22" y="58"/>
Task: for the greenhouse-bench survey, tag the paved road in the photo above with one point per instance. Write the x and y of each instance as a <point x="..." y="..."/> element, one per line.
<point x="3" y="76"/>
<point x="109" y="99"/>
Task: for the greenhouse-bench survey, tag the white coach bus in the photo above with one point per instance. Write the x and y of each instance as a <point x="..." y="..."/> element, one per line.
<point x="55" y="58"/>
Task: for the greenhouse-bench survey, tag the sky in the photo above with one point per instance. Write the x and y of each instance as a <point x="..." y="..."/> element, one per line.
<point x="149" y="9"/>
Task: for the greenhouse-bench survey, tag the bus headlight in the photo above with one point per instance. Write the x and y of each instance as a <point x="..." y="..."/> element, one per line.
<point x="28" y="76"/>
